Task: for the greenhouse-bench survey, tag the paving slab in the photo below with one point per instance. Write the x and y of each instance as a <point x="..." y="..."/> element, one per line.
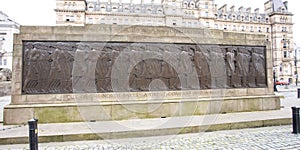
<point x="275" y="137"/>
<point x="60" y="132"/>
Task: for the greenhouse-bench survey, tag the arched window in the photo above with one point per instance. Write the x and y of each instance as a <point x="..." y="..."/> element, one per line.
<point x="149" y="10"/>
<point x="192" y="4"/>
<point x="114" y="8"/>
<point x="137" y="9"/>
<point x="102" y="7"/>
<point x="126" y="9"/>
<point x="90" y="7"/>
<point x="159" y="10"/>
<point x="185" y="3"/>
<point x="206" y="6"/>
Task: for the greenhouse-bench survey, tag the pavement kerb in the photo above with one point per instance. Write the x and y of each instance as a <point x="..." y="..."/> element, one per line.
<point x="147" y="133"/>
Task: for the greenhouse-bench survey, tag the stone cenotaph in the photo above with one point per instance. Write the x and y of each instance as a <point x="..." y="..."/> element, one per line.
<point x="112" y="72"/>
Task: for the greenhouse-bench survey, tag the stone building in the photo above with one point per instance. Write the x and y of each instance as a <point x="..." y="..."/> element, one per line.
<point x="275" y="22"/>
<point x="8" y="28"/>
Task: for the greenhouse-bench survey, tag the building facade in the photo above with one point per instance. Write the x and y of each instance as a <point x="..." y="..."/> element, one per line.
<point x="275" y="22"/>
<point x="7" y="30"/>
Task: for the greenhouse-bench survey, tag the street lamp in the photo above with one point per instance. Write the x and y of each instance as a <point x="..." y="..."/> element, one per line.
<point x="274" y="79"/>
<point x="296" y="68"/>
<point x="1" y="43"/>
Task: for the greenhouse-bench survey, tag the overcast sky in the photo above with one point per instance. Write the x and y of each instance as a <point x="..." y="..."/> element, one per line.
<point x="41" y="12"/>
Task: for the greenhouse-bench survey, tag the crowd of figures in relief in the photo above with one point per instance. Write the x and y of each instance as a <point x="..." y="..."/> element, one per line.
<point x="99" y="67"/>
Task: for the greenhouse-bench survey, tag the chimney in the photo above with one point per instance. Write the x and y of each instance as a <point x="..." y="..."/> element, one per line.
<point x="232" y="8"/>
<point x="248" y="10"/>
<point x="223" y="8"/>
<point x="286" y="5"/>
<point x="241" y="9"/>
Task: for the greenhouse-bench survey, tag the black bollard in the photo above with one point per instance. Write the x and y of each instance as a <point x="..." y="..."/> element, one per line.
<point x="33" y="134"/>
<point x="275" y="88"/>
<point x="298" y="92"/>
<point x="296" y="120"/>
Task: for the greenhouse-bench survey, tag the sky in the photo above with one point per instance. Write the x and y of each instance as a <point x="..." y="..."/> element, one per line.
<point x="41" y="12"/>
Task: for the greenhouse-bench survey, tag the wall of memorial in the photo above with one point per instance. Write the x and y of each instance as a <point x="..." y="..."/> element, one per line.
<point x="123" y="72"/>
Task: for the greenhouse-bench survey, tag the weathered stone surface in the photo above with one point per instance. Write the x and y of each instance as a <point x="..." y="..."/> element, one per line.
<point x="148" y="71"/>
<point x="91" y="67"/>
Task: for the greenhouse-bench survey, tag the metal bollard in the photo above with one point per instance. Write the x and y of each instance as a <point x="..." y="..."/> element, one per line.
<point x="298" y="92"/>
<point x="33" y="134"/>
<point x="296" y="120"/>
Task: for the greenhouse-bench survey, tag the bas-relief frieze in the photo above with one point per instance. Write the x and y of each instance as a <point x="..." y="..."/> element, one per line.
<point x="99" y="67"/>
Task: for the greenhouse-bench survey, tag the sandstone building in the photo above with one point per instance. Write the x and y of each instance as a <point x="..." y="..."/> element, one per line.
<point x="275" y="22"/>
<point x="7" y="30"/>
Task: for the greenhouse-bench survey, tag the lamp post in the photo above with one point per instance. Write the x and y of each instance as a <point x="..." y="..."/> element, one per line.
<point x="296" y="71"/>
<point x="2" y="39"/>
<point x="274" y="79"/>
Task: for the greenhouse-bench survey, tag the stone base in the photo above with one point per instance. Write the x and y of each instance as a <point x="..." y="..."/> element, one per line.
<point x="123" y="110"/>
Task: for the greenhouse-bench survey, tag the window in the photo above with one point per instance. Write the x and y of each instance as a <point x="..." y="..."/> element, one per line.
<point x="284" y="45"/>
<point x="206" y="14"/>
<point x="284" y="29"/>
<point x="185" y="4"/>
<point x="4" y="61"/>
<point x="90" y="20"/>
<point x="0" y="61"/>
<point x="243" y="28"/>
<point x="91" y="8"/>
<point x="114" y="8"/>
<point x="285" y="54"/>
<point x="251" y="29"/>
<point x="234" y="27"/>
<point x="207" y="24"/>
<point x="259" y="29"/>
<point x="160" y="11"/>
<point x="70" y="18"/>
<point x="192" y="5"/>
<point x="225" y="27"/>
<point x="137" y="9"/>
<point x="268" y="30"/>
<point x="206" y="6"/>
<point x="216" y="26"/>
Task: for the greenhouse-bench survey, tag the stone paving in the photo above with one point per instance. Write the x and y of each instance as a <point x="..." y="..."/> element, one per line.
<point x="278" y="137"/>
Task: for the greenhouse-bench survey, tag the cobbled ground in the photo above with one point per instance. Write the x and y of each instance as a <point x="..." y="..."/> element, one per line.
<point x="277" y="137"/>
